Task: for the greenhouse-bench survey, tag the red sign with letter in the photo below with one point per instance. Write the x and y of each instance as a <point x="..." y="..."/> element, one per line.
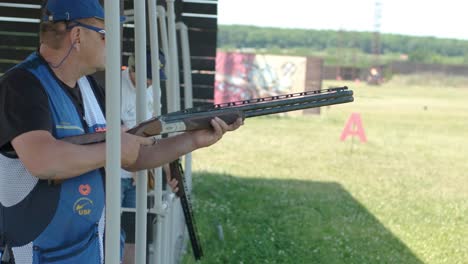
<point x="354" y="128"/>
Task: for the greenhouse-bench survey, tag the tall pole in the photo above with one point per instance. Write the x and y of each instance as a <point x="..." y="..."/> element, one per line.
<point x="188" y="93"/>
<point x="376" y="40"/>
<point x="157" y="256"/>
<point x="113" y="156"/>
<point x="173" y="57"/>
<point x="141" y="115"/>
<point x="163" y="237"/>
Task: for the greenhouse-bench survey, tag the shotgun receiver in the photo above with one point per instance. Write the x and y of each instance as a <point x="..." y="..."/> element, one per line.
<point x="200" y="117"/>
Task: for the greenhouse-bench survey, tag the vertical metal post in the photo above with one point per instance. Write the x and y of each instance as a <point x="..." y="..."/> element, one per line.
<point x="188" y="94"/>
<point x="141" y="115"/>
<point x="170" y="97"/>
<point x="163" y="238"/>
<point x="113" y="156"/>
<point x="154" y="42"/>
<point x="177" y="221"/>
<point x="156" y="256"/>
<point x="187" y="67"/>
<point x="174" y="65"/>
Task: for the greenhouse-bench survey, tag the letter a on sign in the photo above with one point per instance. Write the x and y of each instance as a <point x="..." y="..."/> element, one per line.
<point x="354" y="128"/>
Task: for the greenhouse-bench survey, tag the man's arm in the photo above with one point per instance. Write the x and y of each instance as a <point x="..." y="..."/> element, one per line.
<point x="169" y="149"/>
<point x="48" y="158"/>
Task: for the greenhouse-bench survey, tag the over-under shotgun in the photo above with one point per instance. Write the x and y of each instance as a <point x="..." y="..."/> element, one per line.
<point x="200" y="117"/>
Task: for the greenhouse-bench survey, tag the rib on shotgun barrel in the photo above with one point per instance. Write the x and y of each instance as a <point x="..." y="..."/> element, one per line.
<point x="200" y="117"/>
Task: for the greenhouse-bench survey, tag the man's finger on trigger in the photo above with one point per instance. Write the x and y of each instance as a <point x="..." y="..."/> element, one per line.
<point x="216" y="126"/>
<point x="223" y="124"/>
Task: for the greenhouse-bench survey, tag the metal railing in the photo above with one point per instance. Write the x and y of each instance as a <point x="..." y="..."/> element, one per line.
<point x="169" y="236"/>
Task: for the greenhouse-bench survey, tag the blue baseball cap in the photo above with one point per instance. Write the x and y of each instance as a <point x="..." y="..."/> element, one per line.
<point x="162" y="64"/>
<point x="70" y="10"/>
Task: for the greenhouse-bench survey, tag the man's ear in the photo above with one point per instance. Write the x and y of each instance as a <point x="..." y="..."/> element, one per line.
<point x="76" y="37"/>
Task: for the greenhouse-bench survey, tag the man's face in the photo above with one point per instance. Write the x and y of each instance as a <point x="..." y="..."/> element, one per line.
<point x="93" y="44"/>
<point x="149" y="82"/>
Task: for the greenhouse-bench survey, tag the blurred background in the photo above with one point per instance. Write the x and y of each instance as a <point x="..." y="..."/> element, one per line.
<point x="286" y="189"/>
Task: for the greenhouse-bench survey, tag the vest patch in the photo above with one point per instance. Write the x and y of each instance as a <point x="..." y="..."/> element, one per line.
<point x="83" y="206"/>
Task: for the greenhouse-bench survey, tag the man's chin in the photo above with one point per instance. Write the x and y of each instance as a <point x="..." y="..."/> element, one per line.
<point x="100" y="67"/>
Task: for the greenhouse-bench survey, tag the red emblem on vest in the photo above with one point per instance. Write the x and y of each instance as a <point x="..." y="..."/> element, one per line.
<point x="84" y="189"/>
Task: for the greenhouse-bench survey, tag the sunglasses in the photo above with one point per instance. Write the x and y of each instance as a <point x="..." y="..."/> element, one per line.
<point x="101" y="31"/>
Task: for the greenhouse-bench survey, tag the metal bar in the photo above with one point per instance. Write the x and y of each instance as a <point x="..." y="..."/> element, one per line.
<point x="162" y="15"/>
<point x="156" y="256"/>
<point x="186" y="67"/>
<point x="174" y="104"/>
<point x="163" y="225"/>
<point x="113" y="156"/>
<point x="188" y="103"/>
<point x="188" y="92"/>
<point x="141" y="115"/>
<point x="176" y="220"/>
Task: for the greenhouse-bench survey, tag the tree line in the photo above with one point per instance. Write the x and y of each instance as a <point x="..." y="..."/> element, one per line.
<point x="332" y="43"/>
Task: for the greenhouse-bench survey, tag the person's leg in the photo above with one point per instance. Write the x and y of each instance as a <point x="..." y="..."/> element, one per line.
<point x="129" y="254"/>
<point x="130" y="194"/>
<point x="123" y="190"/>
<point x="128" y="201"/>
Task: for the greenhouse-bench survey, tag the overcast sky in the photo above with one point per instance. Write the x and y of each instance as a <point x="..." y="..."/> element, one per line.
<point x="443" y="19"/>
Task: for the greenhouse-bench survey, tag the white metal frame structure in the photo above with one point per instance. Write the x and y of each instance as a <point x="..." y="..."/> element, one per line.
<point x="112" y="236"/>
<point x="188" y="91"/>
<point x="169" y="234"/>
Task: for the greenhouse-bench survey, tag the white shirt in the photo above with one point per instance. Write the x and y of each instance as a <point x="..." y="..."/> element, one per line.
<point x="128" y="107"/>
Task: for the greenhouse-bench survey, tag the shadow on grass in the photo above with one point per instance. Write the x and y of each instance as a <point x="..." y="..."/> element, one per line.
<point x="250" y="220"/>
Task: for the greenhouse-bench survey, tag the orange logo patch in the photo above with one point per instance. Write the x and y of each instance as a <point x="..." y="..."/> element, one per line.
<point x="84" y="189"/>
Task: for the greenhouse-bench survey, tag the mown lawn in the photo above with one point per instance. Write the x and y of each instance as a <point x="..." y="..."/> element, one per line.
<point x="287" y="190"/>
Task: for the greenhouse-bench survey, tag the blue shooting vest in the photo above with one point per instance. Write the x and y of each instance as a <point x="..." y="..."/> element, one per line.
<point x="74" y="231"/>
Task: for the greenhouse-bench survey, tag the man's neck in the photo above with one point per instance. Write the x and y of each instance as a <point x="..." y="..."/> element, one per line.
<point x="67" y="70"/>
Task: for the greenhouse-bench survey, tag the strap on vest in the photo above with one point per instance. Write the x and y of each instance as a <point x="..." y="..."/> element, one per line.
<point x="5" y="252"/>
<point x="2" y="229"/>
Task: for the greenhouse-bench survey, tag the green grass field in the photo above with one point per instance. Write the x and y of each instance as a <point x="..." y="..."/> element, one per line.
<point x="287" y="190"/>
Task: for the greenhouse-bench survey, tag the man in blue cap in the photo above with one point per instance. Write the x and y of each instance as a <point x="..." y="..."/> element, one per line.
<point x="51" y="191"/>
